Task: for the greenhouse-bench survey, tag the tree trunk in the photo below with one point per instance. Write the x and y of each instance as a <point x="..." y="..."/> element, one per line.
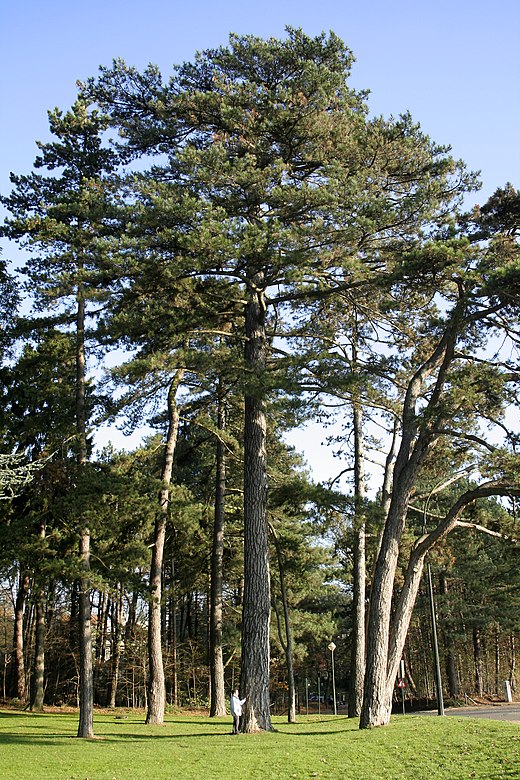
<point x="383" y="658"/>
<point x="86" y="681"/>
<point x="512" y="661"/>
<point x="218" y="695"/>
<point x="173" y="636"/>
<point x="377" y="693"/>
<point x="117" y="607"/>
<point x="156" y="687"/>
<point x="477" y="658"/>
<point x="103" y="609"/>
<point x="357" y="658"/>
<point x="20" y="687"/>
<point x="39" y="643"/>
<point x="497" y="659"/>
<point x="256" y="598"/>
<point x="39" y="655"/>
<point x="86" y="684"/>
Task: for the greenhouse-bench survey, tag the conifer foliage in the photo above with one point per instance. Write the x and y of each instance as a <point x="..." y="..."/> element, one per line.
<point x="258" y="244"/>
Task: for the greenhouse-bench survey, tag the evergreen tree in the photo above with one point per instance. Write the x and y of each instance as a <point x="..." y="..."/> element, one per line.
<point x="63" y="218"/>
<point x="277" y="185"/>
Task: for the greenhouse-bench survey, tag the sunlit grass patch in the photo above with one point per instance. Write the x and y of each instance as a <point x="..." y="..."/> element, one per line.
<point x="44" y="747"/>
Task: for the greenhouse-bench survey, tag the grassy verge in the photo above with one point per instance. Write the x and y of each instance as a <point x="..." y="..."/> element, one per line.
<point x="44" y="747"/>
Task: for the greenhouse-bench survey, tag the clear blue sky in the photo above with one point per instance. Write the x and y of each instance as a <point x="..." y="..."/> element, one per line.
<point x="454" y="64"/>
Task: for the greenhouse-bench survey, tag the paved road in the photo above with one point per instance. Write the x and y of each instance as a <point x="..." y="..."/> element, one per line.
<point x="509" y="712"/>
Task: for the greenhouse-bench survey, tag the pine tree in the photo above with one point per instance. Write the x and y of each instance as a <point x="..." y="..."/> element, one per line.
<point x="63" y="218"/>
<point x="277" y="185"/>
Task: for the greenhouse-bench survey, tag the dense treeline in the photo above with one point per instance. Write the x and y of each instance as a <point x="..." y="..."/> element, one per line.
<point x="223" y="257"/>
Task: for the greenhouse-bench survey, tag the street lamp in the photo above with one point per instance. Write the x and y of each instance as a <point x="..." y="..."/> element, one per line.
<point x="332" y="647"/>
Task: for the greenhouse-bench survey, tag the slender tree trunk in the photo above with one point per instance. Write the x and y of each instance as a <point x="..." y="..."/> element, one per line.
<point x="117" y="608"/>
<point x="497" y="659"/>
<point x="357" y="658"/>
<point x="86" y="686"/>
<point x="86" y="681"/>
<point x="218" y="695"/>
<point x="156" y="687"/>
<point x="19" y="655"/>
<point x="39" y="642"/>
<point x="39" y="655"/>
<point x="409" y="672"/>
<point x="103" y="607"/>
<point x="256" y="598"/>
<point x="173" y="635"/>
<point x="512" y="661"/>
<point x="477" y="659"/>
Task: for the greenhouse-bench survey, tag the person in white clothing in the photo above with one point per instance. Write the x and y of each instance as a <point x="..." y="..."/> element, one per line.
<point x="236" y="710"/>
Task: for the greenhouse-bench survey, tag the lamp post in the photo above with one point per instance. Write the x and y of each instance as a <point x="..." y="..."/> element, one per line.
<point x="332" y="647"/>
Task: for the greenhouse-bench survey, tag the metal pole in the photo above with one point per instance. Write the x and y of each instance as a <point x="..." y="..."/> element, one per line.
<point x="438" y="680"/>
<point x="306" y="696"/>
<point x="319" y="693"/>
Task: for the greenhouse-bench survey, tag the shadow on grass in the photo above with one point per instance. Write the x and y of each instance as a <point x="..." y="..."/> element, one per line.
<point x="109" y="737"/>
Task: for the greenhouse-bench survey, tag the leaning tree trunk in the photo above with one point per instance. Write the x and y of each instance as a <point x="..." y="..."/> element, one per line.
<point x="381" y="669"/>
<point x="393" y="644"/>
<point x="256" y="600"/>
<point x="156" y="686"/>
<point x="218" y="695"/>
<point x="376" y="701"/>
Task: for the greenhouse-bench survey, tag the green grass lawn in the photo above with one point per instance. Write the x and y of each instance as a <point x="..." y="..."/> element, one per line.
<point x="44" y="747"/>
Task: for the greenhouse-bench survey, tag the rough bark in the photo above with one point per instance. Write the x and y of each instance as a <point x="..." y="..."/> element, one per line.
<point x="156" y="685"/>
<point x="39" y="655"/>
<point x="414" y="446"/>
<point x="86" y="686"/>
<point x="357" y="660"/>
<point x="394" y="645"/>
<point x="20" y="687"/>
<point x="218" y="695"/>
<point x="256" y="598"/>
<point x="86" y="680"/>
